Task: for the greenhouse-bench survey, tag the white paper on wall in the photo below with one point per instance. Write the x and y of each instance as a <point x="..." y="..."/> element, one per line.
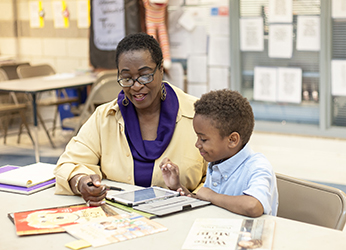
<point x="179" y="43"/>
<point x="251" y="34"/>
<point x="57" y="14"/>
<point x="338" y="9"/>
<point x="218" y="78"/>
<point x="219" y="20"/>
<point x="187" y="21"/>
<point x="197" y="89"/>
<point x="219" y="51"/>
<point x="199" y="40"/>
<point x="176" y="75"/>
<point x="34" y="17"/>
<point x="289" y="87"/>
<point x="197" y="68"/>
<point x="265" y="79"/>
<point x="280" y="41"/>
<point x="83" y="19"/>
<point x="280" y="11"/>
<point x="338" y="77"/>
<point x="308" y="33"/>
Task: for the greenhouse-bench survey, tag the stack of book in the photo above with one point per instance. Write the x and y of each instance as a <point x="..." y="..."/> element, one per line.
<point x="27" y="179"/>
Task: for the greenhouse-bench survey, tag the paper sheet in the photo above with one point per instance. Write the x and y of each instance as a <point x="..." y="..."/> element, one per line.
<point x="218" y="78"/>
<point x="29" y="175"/>
<point x="83" y="10"/>
<point x="197" y="68"/>
<point x="289" y="85"/>
<point x="219" y="51"/>
<point x="280" y="11"/>
<point x="199" y="40"/>
<point x="280" y="40"/>
<point x="338" y="9"/>
<point x="251" y="34"/>
<point x="308" y="33"/>
<point x="197" y="89"/>
<point x="219" y="20"/>
<point x="176" y="75"/>
<point x="36" y="21"/>
<point x="338" y="68"/>
<point x="265" y="84"/>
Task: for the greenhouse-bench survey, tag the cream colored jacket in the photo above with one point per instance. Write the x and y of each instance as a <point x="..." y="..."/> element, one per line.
<point x="101" y="148"/>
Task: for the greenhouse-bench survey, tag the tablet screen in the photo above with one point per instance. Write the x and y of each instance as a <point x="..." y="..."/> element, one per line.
<point x="142" y="195"/>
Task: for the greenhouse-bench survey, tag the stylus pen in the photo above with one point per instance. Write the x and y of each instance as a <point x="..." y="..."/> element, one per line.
<point x="90" y="184"/>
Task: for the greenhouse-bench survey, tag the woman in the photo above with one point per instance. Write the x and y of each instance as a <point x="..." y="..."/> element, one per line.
<point x="125" y="140"/>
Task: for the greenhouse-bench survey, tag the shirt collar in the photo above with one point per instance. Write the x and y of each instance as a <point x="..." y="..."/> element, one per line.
<point x="229" y="166"/>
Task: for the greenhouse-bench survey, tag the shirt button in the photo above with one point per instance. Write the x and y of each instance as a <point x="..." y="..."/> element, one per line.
<point x="127" y="155"/>
<point x="215" y="184"/>
<point x="225" y="176"/>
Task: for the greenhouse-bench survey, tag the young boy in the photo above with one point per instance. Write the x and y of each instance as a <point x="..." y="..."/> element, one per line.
<point x="238" y="179"/>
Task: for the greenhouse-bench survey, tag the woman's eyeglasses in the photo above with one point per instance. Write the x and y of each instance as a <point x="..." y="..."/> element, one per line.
<point x="144" y="79"/>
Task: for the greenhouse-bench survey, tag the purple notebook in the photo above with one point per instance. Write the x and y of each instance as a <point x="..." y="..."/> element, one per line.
<point x="23" y="190"/>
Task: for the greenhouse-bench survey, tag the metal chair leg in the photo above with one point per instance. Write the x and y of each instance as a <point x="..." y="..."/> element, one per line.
<point x="45" y="129"/>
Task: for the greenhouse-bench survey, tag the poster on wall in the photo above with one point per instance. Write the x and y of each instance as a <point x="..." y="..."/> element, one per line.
<point x="280" y="11"/>
<point x="265" y="84"/>
<point x="108" y="23"/>
<point x="197" y="68"/>
<point x="338" y="77"/>
<point x="36" y="14"/>
<point x="83" y="10"/>
<point x="251" y="34"/>
<point x="289" y="87"/>
<point x="338" y="9"/>
<point x="308" y="33"/>
<point x="280" y="36"/>
<point x="60" y="14"/>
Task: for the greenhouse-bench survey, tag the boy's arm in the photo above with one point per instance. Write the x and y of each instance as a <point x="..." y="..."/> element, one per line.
<point x="241" y="204"/>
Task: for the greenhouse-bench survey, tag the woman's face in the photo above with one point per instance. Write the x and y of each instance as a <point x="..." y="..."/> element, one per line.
<point x="133" y="64"/>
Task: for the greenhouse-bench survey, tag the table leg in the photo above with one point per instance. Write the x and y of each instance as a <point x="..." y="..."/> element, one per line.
<point x="34" y="111"/>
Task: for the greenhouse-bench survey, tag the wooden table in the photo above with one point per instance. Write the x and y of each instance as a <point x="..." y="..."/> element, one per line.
<point x="289" y="234"/>
<point x="35" y="85"/>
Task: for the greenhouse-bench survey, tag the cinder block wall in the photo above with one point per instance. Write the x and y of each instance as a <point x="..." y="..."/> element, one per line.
<point x="66" y="49"/>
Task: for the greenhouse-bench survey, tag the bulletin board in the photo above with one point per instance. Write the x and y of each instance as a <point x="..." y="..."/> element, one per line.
<point x="110" y="22"/>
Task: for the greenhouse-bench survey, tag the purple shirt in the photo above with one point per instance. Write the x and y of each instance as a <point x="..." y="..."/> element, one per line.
<point x="145" y="152"/>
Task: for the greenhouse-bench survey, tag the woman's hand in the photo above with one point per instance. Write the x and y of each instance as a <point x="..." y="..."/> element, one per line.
<point x="90" y="189"/>
<point x="170" y="174"/>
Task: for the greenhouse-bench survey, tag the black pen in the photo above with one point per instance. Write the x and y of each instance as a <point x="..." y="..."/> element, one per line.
<point x="90" y="184"/>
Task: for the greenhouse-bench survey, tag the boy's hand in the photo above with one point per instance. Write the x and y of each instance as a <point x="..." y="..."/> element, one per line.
<point x="170" y="174"/>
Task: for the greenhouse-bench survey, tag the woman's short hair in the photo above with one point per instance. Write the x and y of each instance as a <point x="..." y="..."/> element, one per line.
<point x="139" y="41"/>
<point x="228" y="111"/>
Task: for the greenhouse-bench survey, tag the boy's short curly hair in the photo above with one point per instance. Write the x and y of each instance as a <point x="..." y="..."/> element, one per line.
<point x="139" y="41"/>
<point x="229" y="111"/>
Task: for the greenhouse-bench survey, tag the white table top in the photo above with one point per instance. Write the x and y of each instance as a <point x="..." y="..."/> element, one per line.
<point x="289" y="235"/>
<point x="47" y="83"/>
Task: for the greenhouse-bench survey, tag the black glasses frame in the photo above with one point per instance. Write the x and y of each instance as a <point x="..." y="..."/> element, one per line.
<point x="134" y="80"/>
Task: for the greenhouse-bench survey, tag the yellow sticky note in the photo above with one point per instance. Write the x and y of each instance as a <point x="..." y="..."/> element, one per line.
<point x="78" y="244"/>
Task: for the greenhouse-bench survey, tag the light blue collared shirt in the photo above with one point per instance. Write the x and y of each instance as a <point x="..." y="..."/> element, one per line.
<point x="245" y="173"/>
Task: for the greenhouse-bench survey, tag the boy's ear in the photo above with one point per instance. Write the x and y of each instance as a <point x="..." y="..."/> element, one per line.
<point x="234" y="139"/>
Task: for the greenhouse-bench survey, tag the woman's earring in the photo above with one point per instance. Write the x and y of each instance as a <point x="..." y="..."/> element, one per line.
<point x="163" y="92"/>
<point x="125" y="102"/>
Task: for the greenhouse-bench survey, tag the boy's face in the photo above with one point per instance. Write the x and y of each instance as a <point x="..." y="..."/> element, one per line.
<point x="209" y="142"/>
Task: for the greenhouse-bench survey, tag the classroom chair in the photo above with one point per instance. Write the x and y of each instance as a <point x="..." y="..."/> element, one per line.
<point x="311" y="202"/>
<point x="9" y="108"/>
<point x="105" y="91"/>
<point x="26" y="71"/>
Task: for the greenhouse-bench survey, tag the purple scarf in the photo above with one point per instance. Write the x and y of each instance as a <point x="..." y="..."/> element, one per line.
<point x="144" y="152"/>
